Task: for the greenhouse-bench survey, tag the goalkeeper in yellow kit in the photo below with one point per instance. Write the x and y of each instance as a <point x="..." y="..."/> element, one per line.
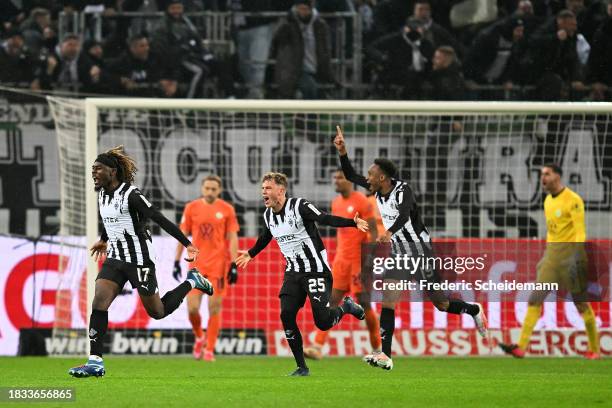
<point x="564" y="261"/>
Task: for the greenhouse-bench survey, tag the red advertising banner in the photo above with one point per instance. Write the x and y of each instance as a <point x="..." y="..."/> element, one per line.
<point x="48" y="288"/>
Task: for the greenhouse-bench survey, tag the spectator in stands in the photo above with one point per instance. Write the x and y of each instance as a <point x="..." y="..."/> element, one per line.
<point x="52" y="5"/>
<point x="554" y="50"/>
<point x="445" y="81"/>
<point x="600" y="59"/>
<point x="253" y="39"/>
<point x="498" y="54"/>
<point x="524" y="8"/>
<point x="178" y="40"/>
<point x="141" y="72"/>
<point x="526" y="12"/>
<point x="301" y="48"/>
<point x="11" y="15"/>
<point x="589" y="14"/>
<point x="38" y="32"/>
<point x="434" y="32"/>
<point x="17" y="67"/>
<point x="403" y="59"/>
<point x="93" y="74"/>
<point x="63" y="66"/>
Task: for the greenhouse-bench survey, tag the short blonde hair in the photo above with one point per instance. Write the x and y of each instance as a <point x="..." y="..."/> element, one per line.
<point x="278" y="178"/>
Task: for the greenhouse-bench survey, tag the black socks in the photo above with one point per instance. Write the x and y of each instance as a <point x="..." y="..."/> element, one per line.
<point x="98" y="323"/>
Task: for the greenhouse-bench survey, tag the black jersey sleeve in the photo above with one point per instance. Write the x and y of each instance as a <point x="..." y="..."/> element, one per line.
<point x="405" y="201"/>
<point x="262" y="241"/>
<point x="350" y="174"/>
<point x="103" y="235"/>
<point x="137" y="201"/>
<point x="311" y="213"/>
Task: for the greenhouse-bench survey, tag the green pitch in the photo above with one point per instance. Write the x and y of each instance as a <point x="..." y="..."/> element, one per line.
<point x="253" y="382"/>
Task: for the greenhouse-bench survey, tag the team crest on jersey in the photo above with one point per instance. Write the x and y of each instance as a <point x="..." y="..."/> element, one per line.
<point x="206" y="230"/>
<point x="116" y="205"/>
<point x="558" y="213"/>
<point x="291" y="221"/>
<point x="350" y="209"/>
<point x="219" y="215"/>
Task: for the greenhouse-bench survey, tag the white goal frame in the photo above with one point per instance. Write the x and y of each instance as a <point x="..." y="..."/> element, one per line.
<point x="423" y="108"/>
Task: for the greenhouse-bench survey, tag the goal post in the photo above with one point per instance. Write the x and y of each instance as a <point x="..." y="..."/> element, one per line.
<point x="474" y="167"/>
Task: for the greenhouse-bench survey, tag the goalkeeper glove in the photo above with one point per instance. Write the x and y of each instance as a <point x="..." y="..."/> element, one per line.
<point x="232" y="275"/>
<point x="177" y="271"/>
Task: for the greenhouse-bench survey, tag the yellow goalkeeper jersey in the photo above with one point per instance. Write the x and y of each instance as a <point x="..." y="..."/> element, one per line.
<point x="564" y="217"/>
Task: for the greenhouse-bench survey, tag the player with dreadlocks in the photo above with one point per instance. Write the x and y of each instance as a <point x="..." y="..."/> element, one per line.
<point x="127" y="245"/>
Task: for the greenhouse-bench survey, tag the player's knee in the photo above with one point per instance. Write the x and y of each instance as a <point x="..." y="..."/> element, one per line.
<point x="101" y="301"/>
<point x="214" y="310"/>
<point x="322" y="323"/>
<point x="156" y="313"/>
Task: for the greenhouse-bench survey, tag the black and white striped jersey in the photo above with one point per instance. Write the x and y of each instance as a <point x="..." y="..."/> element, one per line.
<point x="124" y="214"/>
<point x="294" y="229"/>
<point x="398" y="209"/>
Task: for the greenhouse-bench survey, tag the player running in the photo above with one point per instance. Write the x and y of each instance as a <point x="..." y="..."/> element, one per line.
<point x="346" y="268"/>
<point x="126" y="242"/>
<point x="405" y="231"/>
<point x="564" y="261"/>
<point x="213" y="226"/>
<point x="291" y="222"/>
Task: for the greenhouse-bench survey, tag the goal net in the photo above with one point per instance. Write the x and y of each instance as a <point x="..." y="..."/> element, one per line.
<point x="474" y="168"/>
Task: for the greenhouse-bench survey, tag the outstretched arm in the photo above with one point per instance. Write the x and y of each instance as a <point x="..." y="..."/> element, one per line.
<point x="137" y="201"/>
<point x="311" y="213"/>
<point x="262" y="242"/>
<point x="244" y="257"/>
<point x="347" y="167"/>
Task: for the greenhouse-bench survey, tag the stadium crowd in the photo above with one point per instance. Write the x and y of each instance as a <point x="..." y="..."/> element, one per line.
<point x="412" y="49"/>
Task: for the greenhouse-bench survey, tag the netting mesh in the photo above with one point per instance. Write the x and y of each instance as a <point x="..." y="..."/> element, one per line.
<point x="476" y="177"/>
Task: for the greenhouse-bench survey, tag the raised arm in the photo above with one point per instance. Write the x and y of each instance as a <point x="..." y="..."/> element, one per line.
<point x="347" y="167"/>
